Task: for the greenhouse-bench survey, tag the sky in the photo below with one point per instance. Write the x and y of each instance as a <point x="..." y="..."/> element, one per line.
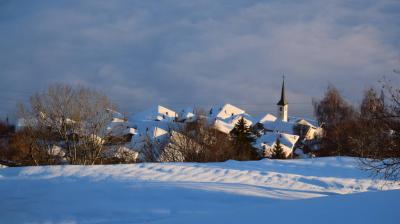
<point x="181" y="53"/>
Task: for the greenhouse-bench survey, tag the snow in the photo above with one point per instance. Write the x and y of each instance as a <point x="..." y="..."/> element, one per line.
<point x="324" y="190"/>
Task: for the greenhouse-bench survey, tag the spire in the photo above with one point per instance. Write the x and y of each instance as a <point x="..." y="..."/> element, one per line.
<point x="283" y="101"/>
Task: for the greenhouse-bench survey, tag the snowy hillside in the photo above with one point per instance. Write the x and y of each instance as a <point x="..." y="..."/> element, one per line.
<point x="326" y="190"/>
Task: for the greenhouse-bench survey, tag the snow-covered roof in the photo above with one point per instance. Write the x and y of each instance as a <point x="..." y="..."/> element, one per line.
<point x="157" y="113"/>
<point x="223" y="126"/>
<point x="224" y="118"/>
<point x="186" y="114"/>
<point x="306" y="123"/>
<point x="303" y="121"/>
<point x="279" y="126"/>
<point x="149" y="130"/>
<point x="268" y="118"/>
<point x="235" y="119"/>
<point x="226" y="111"/>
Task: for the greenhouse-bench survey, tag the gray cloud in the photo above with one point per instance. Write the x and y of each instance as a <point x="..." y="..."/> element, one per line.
<point x="184" y="53"/>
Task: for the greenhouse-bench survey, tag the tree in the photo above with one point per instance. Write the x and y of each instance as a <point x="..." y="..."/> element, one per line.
<point x="198" y="141"/>
<point x="338" y="119"/>
<point x="378" y="140"/>
<point x="73" y="118"/>
<point x="242" y="134"/>
<point x="243" y="138"/>
<point x="332" y="109"/>
<point x="277" y="151"/>
<point x="372" y="105"/>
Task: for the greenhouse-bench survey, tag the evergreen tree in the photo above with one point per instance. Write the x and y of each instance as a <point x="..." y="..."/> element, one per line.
<point x="243" y="138"/>
<point x="242" y="134"/>
<point x="277" y="151"/>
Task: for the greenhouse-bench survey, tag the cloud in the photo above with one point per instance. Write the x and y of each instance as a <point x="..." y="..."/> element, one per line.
<point x="183" y="53"/>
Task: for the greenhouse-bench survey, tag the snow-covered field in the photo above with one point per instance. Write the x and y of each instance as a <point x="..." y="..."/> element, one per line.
<point x="322" y="190"/>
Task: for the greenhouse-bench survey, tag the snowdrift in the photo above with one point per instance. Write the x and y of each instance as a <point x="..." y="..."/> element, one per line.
<point x="326" y="190"/>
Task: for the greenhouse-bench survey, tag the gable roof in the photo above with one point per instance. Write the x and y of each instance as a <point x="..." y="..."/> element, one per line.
<point x="268" y="118"/>
<point x="225" y="111"/>
<point x="157" y="113"/>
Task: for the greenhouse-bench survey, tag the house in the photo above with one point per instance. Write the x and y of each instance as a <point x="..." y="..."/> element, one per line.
<point x="226" y="117"/>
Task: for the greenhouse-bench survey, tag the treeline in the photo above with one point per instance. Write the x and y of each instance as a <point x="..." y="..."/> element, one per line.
<point x="370" y="131"/>
<point x="63" y="125"/>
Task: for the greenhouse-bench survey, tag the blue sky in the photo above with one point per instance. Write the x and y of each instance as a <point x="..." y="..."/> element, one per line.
<point x="185" y="53"/>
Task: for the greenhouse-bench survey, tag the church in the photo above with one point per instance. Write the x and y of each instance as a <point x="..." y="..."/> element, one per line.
<point x="292" y="132"/>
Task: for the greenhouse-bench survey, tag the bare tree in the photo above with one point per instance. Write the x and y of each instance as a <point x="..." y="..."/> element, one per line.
<point x="338" y="119"/>
<point x="73" y="118"/>
<point x="189" y="142"/>
<point x="200" y="141"/>
<point x="152" y="148"/>
<point x="378" y="140"/>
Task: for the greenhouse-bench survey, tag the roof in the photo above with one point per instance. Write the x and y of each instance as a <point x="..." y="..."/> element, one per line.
<point x="152" y="129"/>
<point x="186" y="114"/>
<point x="225" y="111"/>
<point x="310" y="122"/>
<point x="279" y="126"/>
<point x="224" y="118"/>
<point x="267" y="118"/>
<point x="157" y="113"/>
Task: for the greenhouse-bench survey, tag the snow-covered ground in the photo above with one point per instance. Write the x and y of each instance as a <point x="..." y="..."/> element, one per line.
<point x="320" y="190"/>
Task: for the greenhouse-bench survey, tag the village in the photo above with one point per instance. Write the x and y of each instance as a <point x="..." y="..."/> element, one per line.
<point x="296" y="135"/>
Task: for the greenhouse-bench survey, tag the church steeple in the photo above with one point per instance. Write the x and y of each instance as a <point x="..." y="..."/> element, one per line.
<point x="283" y="101"/>
<point x="283" y="104"/>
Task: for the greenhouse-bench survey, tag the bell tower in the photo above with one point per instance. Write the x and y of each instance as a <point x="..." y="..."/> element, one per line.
<point x="283" y="104"/>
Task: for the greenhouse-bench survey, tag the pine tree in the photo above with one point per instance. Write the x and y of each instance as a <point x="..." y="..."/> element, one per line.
<point x="242" y="141"/>
<point x="277" y="151"/>
<point x="242" y="134"/>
